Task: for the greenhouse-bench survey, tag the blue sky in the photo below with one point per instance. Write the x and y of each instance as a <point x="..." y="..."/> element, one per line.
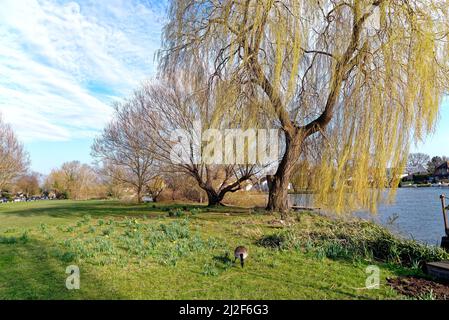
<point x="62" y="63"/>
<point x="437" y="144"/>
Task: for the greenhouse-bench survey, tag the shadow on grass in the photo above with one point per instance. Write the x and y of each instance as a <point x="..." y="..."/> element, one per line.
<point x="67" y="209"/>
<point x="330" y="288"/>
<point x="32" y="271"/>
<point x="223" y="258"/>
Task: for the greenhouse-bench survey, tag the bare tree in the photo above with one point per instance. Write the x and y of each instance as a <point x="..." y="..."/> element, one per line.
<point x="362" y="77"/>
<point x="169" y="107"/>
<point x="74" y="180"/>
<point x="417" y="161"/>
<point x="28" y="184"/>
<point x="14" y="160"/>
<point x="124" y="148"/>
<point x="114" y="187"/>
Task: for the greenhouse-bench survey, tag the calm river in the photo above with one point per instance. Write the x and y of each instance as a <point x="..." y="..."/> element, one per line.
<point x="416" y="214"/>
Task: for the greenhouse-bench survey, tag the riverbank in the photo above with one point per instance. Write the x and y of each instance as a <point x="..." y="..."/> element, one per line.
<point x="414" y="213"/>
<point x="186" y="252"/>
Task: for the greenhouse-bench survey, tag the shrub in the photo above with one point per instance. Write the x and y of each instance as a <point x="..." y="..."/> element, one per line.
<point x="196" y="243"/>
<point x="272" y="240"/>
<point x="168" y="258"/>
<point x="176" y="213"/>
<point x="104" y="246"/>
<point x="68" y="256"/>
<point x="355" y="240"/>
<point x="13" y="240"/>
<point x="8" y="240"/>
<point x="176" y="230"/>
<point x="195" y="211"/>
<point x="24" y="237"/>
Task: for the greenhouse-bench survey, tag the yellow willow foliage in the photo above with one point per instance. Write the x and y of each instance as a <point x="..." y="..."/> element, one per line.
<point x="374" y="70"/>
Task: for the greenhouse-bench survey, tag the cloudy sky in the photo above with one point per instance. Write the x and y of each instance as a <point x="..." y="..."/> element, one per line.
<point x="62" y="63"/>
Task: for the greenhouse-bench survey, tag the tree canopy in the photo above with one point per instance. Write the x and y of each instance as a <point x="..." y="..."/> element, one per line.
<point x="124" y="150"/>
<point x="349" y="83"/>
<point x="14" y="160"/>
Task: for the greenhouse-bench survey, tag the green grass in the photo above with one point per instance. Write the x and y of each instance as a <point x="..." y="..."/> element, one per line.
<point x="129" y="251"/>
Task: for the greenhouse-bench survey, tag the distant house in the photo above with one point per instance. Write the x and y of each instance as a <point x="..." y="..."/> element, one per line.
<point x="260" y="184"/>
<point x="416" y="173"/>
<point x="442" y="171"/>
<point x="392" y="171"/>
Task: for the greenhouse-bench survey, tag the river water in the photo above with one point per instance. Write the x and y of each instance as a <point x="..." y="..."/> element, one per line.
<point x="415" y="214"/>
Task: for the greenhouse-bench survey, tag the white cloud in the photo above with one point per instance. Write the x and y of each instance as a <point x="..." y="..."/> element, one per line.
<point x="61" y="63"/>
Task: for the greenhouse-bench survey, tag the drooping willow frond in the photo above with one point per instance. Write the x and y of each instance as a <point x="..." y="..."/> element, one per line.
<point x="353" y="82"/>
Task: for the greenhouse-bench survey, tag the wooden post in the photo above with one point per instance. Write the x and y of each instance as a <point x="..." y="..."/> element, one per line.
<point x="443" y="204"/>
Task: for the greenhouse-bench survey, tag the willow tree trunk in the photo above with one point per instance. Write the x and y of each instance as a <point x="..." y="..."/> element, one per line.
<point x="279" y="182"/>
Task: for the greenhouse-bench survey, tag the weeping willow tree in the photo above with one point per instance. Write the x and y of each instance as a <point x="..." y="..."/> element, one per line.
<point x="350" y="83"/>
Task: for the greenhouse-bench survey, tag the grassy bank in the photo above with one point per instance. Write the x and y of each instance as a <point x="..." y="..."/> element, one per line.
<point x="179" y="252"/>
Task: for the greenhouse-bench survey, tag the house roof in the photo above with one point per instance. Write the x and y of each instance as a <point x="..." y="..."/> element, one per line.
<point x="445" y="164"/>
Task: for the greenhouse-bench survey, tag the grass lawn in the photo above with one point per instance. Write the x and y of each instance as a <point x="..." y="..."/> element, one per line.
<point x="129" y="251"/>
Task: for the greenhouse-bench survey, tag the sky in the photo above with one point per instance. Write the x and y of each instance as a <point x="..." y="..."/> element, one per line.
<point x="437" y="143"/>
<point x="63" y="63"/>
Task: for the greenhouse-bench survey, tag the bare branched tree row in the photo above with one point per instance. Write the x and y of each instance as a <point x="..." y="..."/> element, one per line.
<point x="74" y="180"/>
<point x="125" y="150"/>
<point x="14" y="160"/>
